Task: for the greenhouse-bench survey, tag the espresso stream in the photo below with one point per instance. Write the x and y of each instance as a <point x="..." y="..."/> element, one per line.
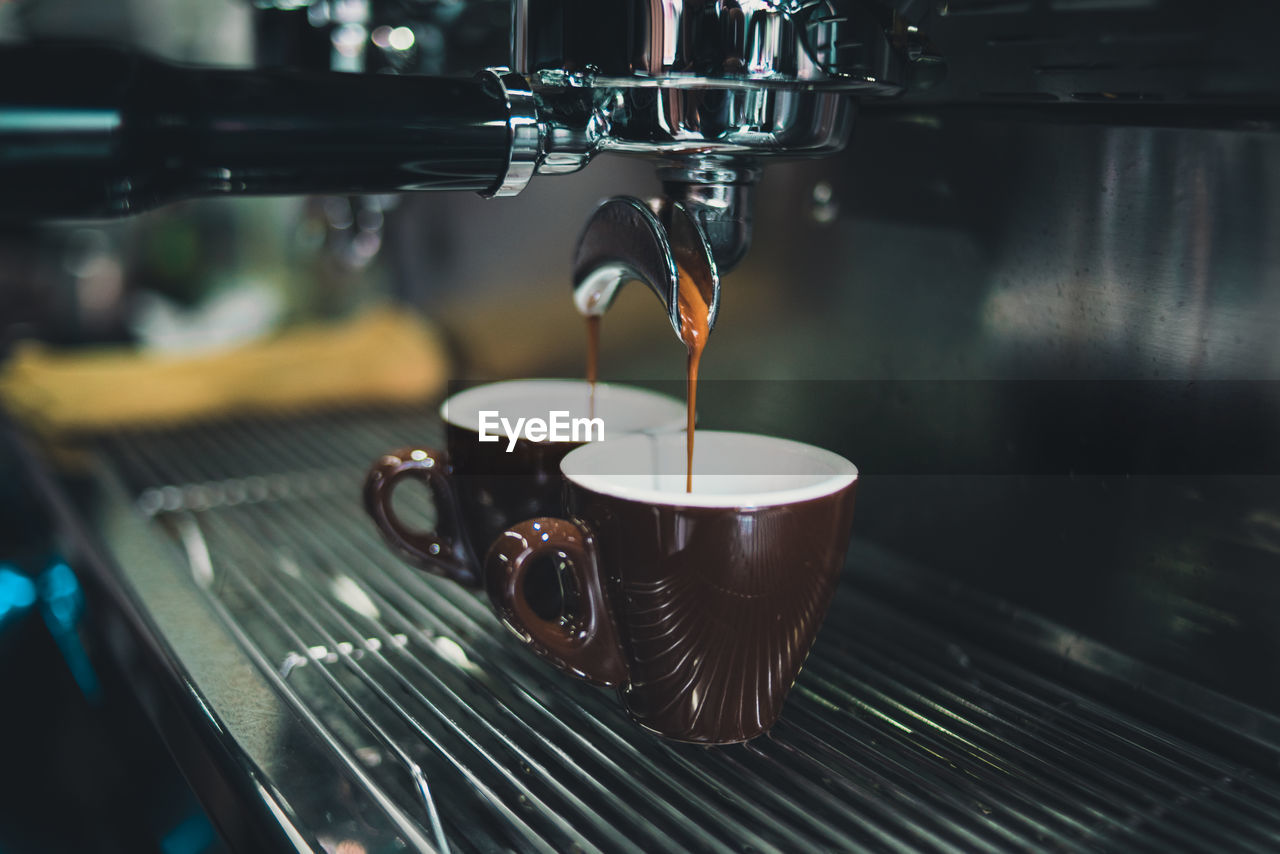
<point x="694" y="327"/>
<point x="593" y="359"/>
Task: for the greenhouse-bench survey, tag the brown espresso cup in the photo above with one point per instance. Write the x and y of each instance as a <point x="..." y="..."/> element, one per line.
<point x="491" y="474"/>
<point x="699" y="607"/>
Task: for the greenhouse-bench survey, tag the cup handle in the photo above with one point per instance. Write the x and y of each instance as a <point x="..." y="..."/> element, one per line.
<point x="441" y="552"/>
<point x="587" y="645"/>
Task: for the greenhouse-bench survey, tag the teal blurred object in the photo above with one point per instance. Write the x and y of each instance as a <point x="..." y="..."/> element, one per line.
<point x="62" y="603"/>
<point x="192" y="835"/>
<point x="17" y="594"/>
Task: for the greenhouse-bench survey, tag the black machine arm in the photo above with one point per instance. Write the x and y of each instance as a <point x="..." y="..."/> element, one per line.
<point x="95" y="131"/>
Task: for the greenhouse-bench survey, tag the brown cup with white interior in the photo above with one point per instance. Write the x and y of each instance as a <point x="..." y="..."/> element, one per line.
<point x="486" y="478"/>
<point x="700" y="607"/>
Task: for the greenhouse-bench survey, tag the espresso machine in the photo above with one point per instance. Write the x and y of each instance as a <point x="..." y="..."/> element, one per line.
<point x="1017" y="260"/>
<point x="710" y="91"/>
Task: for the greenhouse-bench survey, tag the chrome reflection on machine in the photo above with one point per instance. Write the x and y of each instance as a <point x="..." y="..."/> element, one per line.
<point x="711" y="90"/>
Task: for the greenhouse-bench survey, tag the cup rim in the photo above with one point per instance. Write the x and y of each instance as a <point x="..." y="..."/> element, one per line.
<point x="844" y="474"/>
<point x="675" y="423"/>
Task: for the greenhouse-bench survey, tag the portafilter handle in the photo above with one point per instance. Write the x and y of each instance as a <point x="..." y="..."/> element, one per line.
<point x="89" y="131"/>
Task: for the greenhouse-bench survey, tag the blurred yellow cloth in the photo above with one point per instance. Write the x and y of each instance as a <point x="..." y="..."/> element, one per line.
<point x="384" y="356"/>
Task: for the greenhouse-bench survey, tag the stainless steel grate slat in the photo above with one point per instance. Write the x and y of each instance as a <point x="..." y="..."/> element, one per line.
<point x="408" y="827"/>
<point x="535" y="751"/>
<point x="1142" y="779"/>
<point x="1042" y="765"/>
<point x="199" y="557"/>
<point x="455" y="751"/>
<point x="589" y="707"/>
<point x="516" y="757"/>
<point x="896" y="735"/>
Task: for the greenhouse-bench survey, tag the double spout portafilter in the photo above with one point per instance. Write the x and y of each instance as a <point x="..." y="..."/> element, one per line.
<point x="711" y="88"/>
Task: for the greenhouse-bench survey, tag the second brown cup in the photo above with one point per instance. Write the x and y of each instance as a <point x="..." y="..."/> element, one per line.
<point x="481" y="487"/>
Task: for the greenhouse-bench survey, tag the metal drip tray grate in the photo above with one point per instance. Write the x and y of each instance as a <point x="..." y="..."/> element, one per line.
<point x="434" y="729"/>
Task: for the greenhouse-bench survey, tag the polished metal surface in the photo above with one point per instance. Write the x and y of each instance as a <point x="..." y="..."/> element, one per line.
<point x="710" y="44"/>
<point x="525" y="129"/>
<point x="710" y="87"/>
<point x="626" y="240"/>
<point x="752" y="122"/>
<point x="700" y="82"/>
<point x="441" y="733"/>
<point x="717" y="193"/>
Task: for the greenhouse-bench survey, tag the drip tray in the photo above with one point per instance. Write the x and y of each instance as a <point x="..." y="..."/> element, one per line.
<point x="366" y="704"/>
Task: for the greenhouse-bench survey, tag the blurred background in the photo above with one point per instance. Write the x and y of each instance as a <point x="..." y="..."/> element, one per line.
<point x="1051" y="346"/>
